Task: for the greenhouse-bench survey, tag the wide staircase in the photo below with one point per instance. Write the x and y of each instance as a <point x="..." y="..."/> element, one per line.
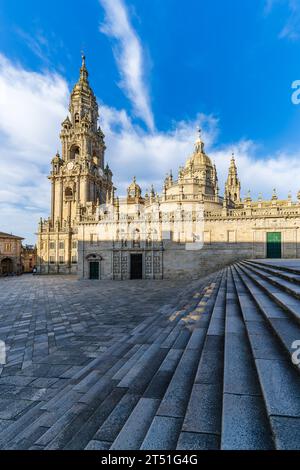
<point x="214" y="373"/>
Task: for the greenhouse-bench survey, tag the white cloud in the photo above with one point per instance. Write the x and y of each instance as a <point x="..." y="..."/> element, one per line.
<point x="128" y="53"/>
<point x="32" y="106"/>
<point x="132" y="151"/>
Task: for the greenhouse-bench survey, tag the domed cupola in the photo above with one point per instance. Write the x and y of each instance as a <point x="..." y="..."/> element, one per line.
<point x="134" y="192"/>
<point x="200" y="168"/>
<point x="199" y="157"/>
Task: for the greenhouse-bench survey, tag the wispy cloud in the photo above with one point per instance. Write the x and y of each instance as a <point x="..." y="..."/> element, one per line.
<point x="37" y="43"/>
<point x="291" y="28"/>
<point x="129" y="55"/>
<point x="32" y="105"/>
<point x="132" y="151"/>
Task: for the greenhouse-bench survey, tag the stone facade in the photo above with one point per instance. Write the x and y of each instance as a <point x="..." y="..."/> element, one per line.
<point x="186" y="231"/>
<point x="10" y="254"/>
<point x="28" y="258"/>
<point x="78" y="180"/>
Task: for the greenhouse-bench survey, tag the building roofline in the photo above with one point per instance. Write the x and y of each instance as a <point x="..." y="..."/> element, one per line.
<point x="10" y="235"/>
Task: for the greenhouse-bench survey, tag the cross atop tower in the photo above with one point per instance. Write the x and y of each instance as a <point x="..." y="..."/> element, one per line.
<point x="83" y="70"/>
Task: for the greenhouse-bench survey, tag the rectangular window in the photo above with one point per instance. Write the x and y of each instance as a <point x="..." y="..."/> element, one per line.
<point x="61" y="245"/>
<point x="61" y="260"/>
<point x="74" y="244"/>
<point x="52" y="259"/>
<point x="7" y="247"/>
<point x="74" y="259"/>
<point x="52" y="246"/>
<point x="93" y="238"/>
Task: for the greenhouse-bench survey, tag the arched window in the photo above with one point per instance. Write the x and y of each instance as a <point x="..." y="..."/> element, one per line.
<point x="68" y="193"/>
<point x="77" y="117"/>
<point x="75" y="152"/>
<point x="136" y="237"/>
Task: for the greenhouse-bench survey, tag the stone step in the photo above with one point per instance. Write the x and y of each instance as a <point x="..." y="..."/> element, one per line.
<point x="286" y="303"/>
<point x="101" y="398"/>
<point x="101" y="391"/>
<point x="166" y="426"/>
<point x="280" y="267"/>
<point x="285" y="328"/>
<point x="283" y="284"/>
<point x="245" y="424"/>
<point x="164" y="394"/>
<point x="83" y="430"/>
<point x="202" y="422"/>
<point x="15" y="428"/>
<point x="281" y="273"/>
<point x="81" y="390"/>
<point x="279" y="380"/>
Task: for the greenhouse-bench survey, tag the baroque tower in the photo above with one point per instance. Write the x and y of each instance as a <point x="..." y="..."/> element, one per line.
<point x="78" y="178"/>
<point x="233" y="185"/>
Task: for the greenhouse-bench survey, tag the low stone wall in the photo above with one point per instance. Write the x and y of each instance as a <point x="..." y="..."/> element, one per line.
<point x="180" y="263"/>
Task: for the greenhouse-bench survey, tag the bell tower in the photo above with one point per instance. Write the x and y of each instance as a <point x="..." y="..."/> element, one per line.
<point x="78" y="177"/>
<point x="233" y="185"/>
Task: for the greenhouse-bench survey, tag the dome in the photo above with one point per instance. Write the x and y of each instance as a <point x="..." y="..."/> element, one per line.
<point x="199" y="158"/>
<point x="134" y="190"/>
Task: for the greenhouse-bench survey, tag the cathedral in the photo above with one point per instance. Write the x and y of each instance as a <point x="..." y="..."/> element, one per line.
<point x="186" y="231"/>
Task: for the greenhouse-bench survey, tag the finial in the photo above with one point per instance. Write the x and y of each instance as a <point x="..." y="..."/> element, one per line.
<point x="199" y="132"/>
<point x="83" y="70"/>
<point x="274" y="195"/>
<point x="199" y="145"/>
<point x="134" y="179"/>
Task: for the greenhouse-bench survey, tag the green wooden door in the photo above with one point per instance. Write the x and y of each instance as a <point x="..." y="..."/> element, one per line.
<point x="274" y="245"/>
<point x="94" y="270"/>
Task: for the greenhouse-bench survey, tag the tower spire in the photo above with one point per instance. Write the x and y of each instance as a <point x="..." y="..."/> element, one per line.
<point x="83" y="105"/>
<point x="233" y="185"/>
<point x="83" y="70"/>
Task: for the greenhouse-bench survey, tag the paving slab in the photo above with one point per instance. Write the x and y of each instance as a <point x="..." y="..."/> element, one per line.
<point x="245" y="425"/>
<point x="162" y="434"/>
<point x="198" y="441"/>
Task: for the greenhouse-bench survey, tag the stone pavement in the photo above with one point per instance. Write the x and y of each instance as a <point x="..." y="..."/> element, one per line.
<point x="152" y="364"/>
<point x="53" y="327"/>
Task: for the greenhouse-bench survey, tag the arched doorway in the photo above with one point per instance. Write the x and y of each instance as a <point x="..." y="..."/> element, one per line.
<point x="94" y="266"/>
<point x="6" y="266"/>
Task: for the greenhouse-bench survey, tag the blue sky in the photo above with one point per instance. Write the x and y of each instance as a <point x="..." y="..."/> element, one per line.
<point x="158" y="67"/>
